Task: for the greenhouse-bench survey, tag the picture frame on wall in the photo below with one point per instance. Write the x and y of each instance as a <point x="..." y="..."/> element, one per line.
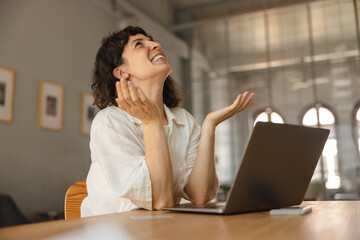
<point x="7" y="79"/>
<point x="88" y="112"/>
<point x="51" y="105"/>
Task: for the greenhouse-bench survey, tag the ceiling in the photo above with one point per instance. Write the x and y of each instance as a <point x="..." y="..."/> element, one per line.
<point x="242" y="41"/>
<point x="212" y="8"/>
<point x="182" y="4"/>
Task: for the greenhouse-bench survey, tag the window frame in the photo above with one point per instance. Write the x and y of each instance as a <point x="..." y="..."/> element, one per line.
<point x="319" y="104"/>
<point x="263" y="109"/>
<point x="355" y="129"/>
<point x="336" y="123"/>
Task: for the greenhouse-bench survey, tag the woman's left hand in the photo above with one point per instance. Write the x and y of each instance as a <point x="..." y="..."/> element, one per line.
<point x="241" y="102"/>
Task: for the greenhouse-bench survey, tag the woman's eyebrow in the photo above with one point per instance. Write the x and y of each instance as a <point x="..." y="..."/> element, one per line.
<point x="137" y="40"/>
<point x="140" y="40"/>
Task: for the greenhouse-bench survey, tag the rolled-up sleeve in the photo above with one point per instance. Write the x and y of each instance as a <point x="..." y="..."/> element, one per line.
<point x="119" y="152"/>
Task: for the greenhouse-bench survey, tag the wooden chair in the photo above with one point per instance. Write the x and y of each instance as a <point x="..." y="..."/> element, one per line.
<point x="73" y="199"/>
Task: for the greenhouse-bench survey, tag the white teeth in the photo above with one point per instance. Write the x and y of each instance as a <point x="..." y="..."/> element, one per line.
<point x="158" y="57"/>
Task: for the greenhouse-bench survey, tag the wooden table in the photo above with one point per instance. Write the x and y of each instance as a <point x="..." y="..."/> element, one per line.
<point x="328" y="220"/>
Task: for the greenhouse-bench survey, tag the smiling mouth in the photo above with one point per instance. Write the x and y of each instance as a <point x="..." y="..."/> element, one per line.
<point x="158" y="57"/>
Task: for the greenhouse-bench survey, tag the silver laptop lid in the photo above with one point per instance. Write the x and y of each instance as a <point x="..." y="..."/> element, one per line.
<point x="277" y="167"/>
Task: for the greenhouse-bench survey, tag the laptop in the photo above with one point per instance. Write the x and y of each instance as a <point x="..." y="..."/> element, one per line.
<point x="275" y="172"/>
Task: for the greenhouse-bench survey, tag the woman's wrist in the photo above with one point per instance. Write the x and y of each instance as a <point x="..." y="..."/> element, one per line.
<point x="209" y="125"/>
<point x="152" y="120"/>
<point x="152" y="123"/>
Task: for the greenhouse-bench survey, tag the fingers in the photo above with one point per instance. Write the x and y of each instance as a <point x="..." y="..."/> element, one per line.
<point x="236" y="103"/>
<point x="133" y="93"/>
<point x="124" y="99"/>
<point x="142" y="96"/>
<point x="125" y="90"/>
<point x="129" y="95"/>
<point x="241" y="102"/>
<point x="122" y="103"/>
<point x="245" y="101"/>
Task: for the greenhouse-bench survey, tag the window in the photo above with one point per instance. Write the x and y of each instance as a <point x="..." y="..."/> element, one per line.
<point x="268" y="115"/>
<point x="330" y="152"/>
<point x="357" y="123"/>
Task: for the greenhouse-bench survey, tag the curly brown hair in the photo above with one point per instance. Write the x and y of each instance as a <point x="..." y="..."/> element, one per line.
<point x="109" y="56"/>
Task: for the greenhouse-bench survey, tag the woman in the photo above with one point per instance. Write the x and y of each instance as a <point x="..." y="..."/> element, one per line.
<point x="146" y="151"/>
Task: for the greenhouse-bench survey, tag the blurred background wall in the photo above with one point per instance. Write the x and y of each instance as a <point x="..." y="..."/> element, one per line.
<point x="299" y="57"/>
<point x="55" y="40"/>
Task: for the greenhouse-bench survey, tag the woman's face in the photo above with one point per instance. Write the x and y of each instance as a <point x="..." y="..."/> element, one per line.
<point x="144" y="59"/>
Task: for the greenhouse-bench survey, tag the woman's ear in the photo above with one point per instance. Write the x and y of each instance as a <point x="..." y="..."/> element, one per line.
<point x="117" y="73"/>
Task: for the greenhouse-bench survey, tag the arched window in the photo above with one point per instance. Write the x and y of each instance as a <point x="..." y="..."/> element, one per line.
<point x="357" y="117"/>
<point x="330" y="152"/>
<point x="268" y="115"/>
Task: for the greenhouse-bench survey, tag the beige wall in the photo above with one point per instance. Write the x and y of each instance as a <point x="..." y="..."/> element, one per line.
<point x="55" y="40"/>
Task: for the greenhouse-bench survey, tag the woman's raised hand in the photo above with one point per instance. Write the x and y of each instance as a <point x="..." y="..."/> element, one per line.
<point x="241" y="102"/>
<point x="133" y="100"/>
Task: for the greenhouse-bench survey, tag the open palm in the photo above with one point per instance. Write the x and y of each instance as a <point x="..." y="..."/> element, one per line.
<point x="241" y="102"/>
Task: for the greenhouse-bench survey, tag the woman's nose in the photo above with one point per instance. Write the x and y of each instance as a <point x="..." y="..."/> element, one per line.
<point x="155" y="45"/>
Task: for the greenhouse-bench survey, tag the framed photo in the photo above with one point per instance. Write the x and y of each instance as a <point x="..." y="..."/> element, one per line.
<point x="51" y="105"/>
<point x="7" y="78"/>
<point x="88" y="112"/>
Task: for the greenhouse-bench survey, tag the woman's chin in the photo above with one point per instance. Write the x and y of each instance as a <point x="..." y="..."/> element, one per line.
<point x="161" y="71"/>
<point x="165" y="70"/>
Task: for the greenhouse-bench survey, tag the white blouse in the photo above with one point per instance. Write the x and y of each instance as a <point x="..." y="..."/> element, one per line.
<point x="119" y="179"/>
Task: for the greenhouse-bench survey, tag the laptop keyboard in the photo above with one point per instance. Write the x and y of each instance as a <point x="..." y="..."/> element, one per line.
<point x="209" y="205"/>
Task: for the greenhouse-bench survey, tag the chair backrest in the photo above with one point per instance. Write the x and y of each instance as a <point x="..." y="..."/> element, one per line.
<point x="10" y="214"/>
<point x="73" y="199"/>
